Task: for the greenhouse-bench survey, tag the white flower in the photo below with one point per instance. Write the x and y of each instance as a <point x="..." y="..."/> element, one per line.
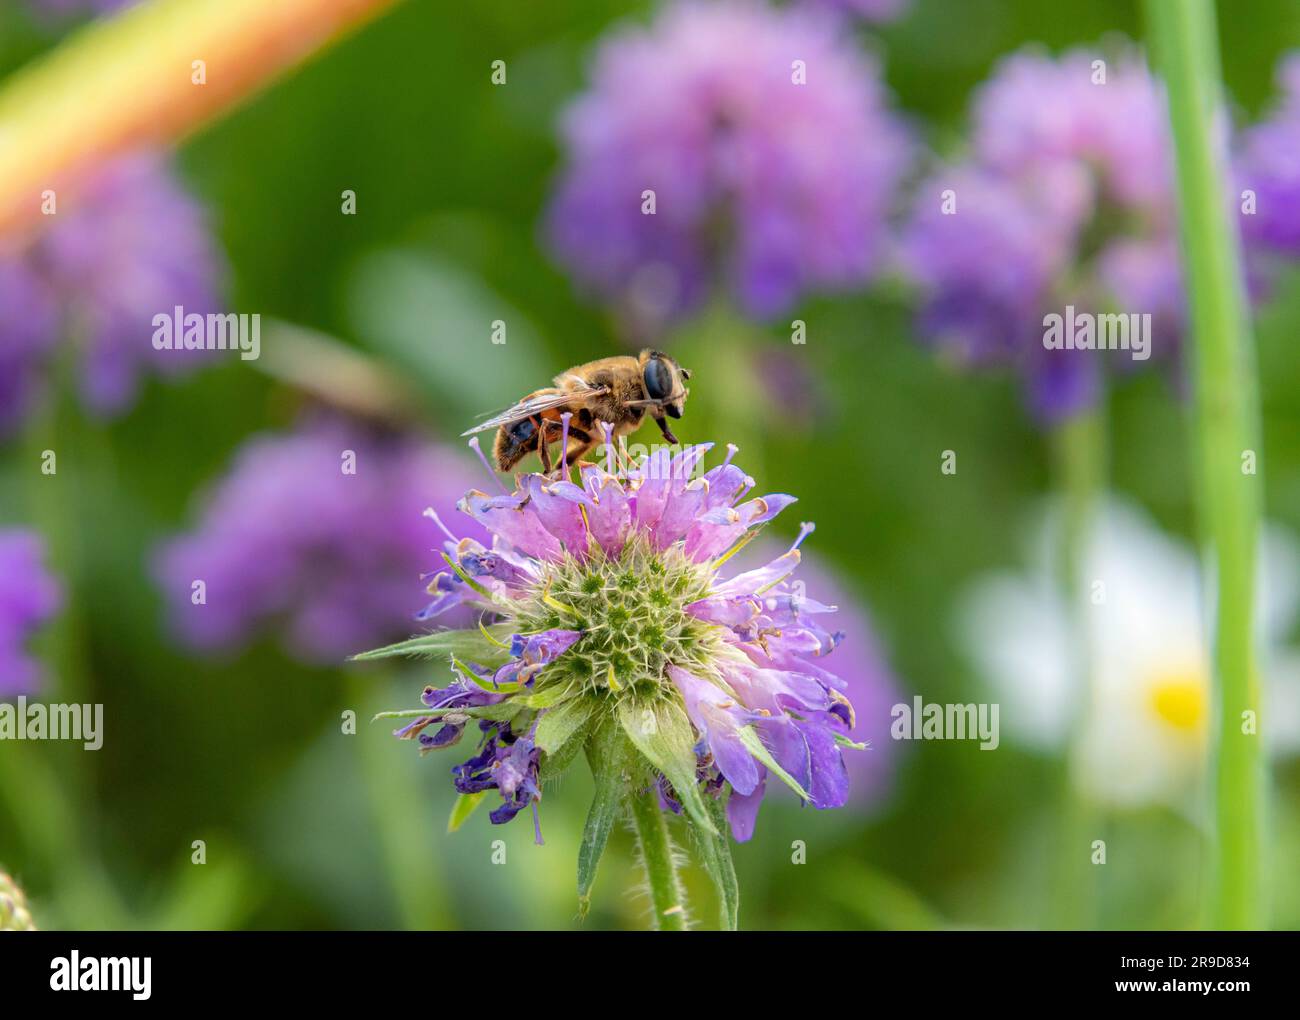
<point x="1143" y="737"/>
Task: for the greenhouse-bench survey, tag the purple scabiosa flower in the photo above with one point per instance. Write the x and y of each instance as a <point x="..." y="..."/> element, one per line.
<point x="1269" y="165"/>
<point x="29" y="596"/>
<point x="319" y="531"/>
<point x="1066" y="200"/>
<point x="609" y="623"/>
<point x="728" y="146"/>
<point x="869" y="681"/>
<point x="129" y="245"/>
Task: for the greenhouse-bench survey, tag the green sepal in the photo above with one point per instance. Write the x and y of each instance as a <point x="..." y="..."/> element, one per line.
<point x="561" y="733"/>
<point x="546" y="698"/>
<point x="715" y="854"/>
<point x="844" y="741"/>
<point x="558" y="725"/>
<point x="610" y="759"/>
<point x="463" y="644"/>
<point x="667" y="741"/>
<point x="756" y="747"/>
<point x="466" y="804"/>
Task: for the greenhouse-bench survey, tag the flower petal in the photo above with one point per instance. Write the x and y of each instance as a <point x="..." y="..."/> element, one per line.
<point x="742" y="810"/>
<point x="718" y="717"/>
<point x="559" y="513"/>
<point x="610" y="516"/>
<point x="513" y="522"/>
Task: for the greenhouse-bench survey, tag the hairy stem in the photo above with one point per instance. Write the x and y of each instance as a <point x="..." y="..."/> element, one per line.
<point x="657" y="857"/>
<point x="1226" y="406"/>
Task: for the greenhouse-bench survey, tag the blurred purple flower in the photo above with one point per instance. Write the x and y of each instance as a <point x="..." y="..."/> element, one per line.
<point x="868" y="10"/>
<point x="131" y="244"/>
<point x="1269" y="165"/>
<point x="1065" y="199"/>
<point x="29" y="596"/>
<point x="791" y="385"/>
<point x="28" y="331"/>
<point x="762" y="186"/>
<point x="288" y="540"/>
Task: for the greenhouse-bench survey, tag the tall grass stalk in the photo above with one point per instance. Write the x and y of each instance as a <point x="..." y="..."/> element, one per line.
<point x="1185" y="41"/>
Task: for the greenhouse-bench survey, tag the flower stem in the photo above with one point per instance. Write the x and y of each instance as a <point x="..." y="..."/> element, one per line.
<point x="657" y="856"/>
<point x="1226" y="406"/>
<point x="1080" y="455"/>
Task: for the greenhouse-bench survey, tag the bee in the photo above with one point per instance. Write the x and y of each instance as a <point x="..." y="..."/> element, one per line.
<point x="619" y="390"/>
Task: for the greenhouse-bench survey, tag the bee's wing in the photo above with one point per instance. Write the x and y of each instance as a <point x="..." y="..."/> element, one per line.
<point x="535" y="405"/>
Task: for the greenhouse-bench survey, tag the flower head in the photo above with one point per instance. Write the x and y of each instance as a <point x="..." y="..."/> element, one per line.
<point x="130" y="245"/>
<point x="728" y="146"/>
<point x="29" y="596"/>
<point x="1066" y="199"/>
<point x="606" y="610"/>
<point x="317" y="530"/>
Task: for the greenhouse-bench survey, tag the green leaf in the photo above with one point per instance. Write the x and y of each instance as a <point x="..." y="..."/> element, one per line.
<point x="463" y="644"/>
<point x="715" y="855"/>
<point x="663" y="734"/>
<point x="466" y="804"/>
<point x="609" y="757"/>
<point x="414" y="309"/>
<point x="749" y="738"/>
<point x="498" y="713"/>
<point x="559" y="724"/>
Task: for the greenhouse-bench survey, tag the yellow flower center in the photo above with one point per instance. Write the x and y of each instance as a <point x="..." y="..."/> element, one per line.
<point x="1181" y="699"/>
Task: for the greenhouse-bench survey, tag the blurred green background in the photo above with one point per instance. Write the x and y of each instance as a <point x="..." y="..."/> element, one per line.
<point x="451" y="176"/>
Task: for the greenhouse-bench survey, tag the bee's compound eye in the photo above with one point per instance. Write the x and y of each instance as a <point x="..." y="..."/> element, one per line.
<point x="658" y="379"/>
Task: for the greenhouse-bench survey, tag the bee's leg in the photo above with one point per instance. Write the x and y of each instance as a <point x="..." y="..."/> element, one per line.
<point x="625" y="458"/>
<point x="662" y="422"/>
<point x="544" y="448"/>
<point x="580" y="444"/>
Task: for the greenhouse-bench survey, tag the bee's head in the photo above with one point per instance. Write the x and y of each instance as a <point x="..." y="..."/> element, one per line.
<point x="664" y="382"/>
